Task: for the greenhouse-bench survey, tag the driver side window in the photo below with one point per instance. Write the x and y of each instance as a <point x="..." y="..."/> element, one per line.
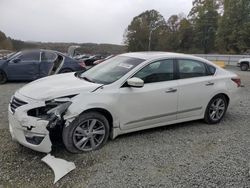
<point x="158" y="71"/>
<point x="30" y="57"/>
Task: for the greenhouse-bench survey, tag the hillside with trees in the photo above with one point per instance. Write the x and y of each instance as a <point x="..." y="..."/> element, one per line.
<point x="212" y="26"/>
<point x="7" y="43"/>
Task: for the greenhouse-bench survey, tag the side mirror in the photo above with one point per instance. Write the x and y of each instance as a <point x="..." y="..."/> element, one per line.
<point x="16" y="60"/>
<point x="135" y="82"/>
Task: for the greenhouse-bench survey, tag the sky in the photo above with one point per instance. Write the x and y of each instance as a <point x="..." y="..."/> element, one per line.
<point x="80" y="21"/>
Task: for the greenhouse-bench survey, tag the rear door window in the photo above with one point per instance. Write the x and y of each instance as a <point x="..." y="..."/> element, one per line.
<point x="48" y="56"/>
<point x="191" y="68"/>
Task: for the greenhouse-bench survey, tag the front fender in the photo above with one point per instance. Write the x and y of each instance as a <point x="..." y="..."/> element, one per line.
<point x="87" y="101"/>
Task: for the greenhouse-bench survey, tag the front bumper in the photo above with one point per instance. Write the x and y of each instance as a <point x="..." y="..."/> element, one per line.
<point x="27" y="130"/>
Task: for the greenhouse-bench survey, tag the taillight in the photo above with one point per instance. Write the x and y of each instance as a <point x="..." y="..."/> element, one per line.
<point x="237" y="81"/>
<point x="82" y="64"/>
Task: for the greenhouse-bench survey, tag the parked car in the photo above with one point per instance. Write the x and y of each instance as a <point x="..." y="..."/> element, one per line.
<point x="90" y="61"/>
<point x="244" y="64"/>
<point x="34" y="64"/>
<point x="101" y="60"/>
<point x="81" y="57"/>
<point x="127" y="93"/>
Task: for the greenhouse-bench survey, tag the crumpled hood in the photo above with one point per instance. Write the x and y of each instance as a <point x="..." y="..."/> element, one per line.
<point x="55" y="86"/>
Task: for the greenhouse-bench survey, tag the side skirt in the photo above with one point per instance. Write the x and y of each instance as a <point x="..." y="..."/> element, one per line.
<point x="117" y="131"/>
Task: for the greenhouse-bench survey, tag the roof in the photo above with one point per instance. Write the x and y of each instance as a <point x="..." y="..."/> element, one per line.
<point x="155" y="55"/>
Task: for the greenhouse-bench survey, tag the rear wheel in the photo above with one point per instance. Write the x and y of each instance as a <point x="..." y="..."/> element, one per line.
<point x="88" y="132"/>
<point x="244" y="67"/>
<point x="216" y="109"/>
<point x="3" y="77"/>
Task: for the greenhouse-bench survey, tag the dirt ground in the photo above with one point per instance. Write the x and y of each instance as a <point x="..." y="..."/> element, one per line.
<point x="191" y="154"/>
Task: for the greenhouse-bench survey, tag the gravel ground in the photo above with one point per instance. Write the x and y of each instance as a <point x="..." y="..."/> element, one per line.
<point x="191" y="154"/>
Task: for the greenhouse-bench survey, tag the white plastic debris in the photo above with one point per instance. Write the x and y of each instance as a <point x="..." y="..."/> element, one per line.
<point x="59" y="166"/>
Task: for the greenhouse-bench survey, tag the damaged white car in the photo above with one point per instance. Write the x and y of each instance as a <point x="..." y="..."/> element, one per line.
<point x="127" y="93"/>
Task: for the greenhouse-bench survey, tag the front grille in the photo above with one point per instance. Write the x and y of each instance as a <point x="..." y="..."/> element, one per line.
<point x="15" y="103"/>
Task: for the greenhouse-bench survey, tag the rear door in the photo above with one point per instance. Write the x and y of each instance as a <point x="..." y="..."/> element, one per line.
<point x="196" y="85"/>
<point x="25" y="66"/>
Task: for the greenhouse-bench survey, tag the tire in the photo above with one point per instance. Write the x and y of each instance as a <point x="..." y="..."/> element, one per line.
<point x="214" y="113"/>
<point x="3" y="77"/>
<point x="79" y="137"/>
<point x="244" y="67"/>
<point x="65" y="70"/>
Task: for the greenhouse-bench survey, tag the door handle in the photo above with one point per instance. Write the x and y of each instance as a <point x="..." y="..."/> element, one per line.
<point x="171" y="90"/>
<point x="209" y="84"/>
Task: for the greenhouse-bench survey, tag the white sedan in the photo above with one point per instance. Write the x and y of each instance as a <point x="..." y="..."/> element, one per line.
<point x="127" y="93"/>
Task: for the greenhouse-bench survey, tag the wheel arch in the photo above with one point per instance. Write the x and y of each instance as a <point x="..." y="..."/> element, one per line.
<point x="104" y="112"/>
<point x="225" y="95"/>
<point x="244" y="62"/>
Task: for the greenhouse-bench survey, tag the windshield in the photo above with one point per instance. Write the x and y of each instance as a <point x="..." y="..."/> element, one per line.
<point x="14" y="55"/>
<point x="111" y="70"/>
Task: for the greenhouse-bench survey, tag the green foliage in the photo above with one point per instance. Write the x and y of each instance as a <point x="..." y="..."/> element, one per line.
<point x="234" y="27"/>
<point x="137" y="35"/>
<point x="204" y="16"/>
<point x="212" y="26"/>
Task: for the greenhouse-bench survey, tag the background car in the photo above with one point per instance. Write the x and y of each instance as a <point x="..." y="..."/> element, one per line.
<point x="34" y="64"/>
<point x="244" y="64"/>
<point x="90" y="61"/>
<point x="101" y="60"/>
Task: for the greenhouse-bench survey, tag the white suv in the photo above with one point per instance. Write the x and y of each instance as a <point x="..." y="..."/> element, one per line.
<point x="244" y="64"/>
<point x="126" y="93"/>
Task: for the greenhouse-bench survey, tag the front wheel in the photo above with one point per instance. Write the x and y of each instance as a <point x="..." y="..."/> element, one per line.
<point x="88" y="132"/>
<point x="244" y="67"/>
<point x="216" y="109"/>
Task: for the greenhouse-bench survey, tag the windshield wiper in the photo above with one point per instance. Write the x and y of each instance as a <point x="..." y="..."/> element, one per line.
<point x="87" y="79"/>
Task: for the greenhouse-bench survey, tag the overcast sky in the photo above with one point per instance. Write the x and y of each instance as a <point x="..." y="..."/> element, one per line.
<point x="98" y="21"/>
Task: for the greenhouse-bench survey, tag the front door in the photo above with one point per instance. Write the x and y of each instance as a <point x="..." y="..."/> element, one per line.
<point x="25" y="66"/>
<point x="154" y="103"/>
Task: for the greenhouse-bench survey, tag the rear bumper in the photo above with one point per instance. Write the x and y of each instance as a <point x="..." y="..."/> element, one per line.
<point x="235" y="97"/>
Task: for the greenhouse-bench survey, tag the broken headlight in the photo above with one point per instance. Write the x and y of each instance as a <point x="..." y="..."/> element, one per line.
<point x="55" y="114"/>
<point x="52" y="111"/>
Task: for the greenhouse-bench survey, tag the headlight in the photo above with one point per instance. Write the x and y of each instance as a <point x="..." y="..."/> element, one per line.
<point x="53" y="111"/>
<point x="55" y="114"/>
<point x="60" y="109"/>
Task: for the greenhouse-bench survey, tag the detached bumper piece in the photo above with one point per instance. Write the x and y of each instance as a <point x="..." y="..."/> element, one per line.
<point x="60" y="167"/>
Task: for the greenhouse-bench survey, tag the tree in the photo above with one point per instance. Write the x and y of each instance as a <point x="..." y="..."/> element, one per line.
<point x="234" y="27"/>
<point x="204" y="16"/>
<point x="185" y="35"/>
<point x="149" y="24"/>
<point x="5" y="43"/>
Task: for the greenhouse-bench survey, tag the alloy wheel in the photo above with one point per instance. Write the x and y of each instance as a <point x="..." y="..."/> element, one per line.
<point x="217" y="109"/>
<point x="89" y="134"/>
